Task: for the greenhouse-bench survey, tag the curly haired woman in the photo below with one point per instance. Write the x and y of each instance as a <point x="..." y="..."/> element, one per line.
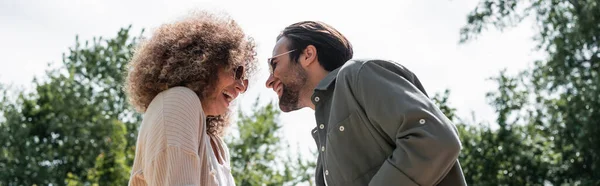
<point x="183" y="79"/>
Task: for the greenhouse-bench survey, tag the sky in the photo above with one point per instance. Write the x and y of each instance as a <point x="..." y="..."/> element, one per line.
<point x="421" y="35"/>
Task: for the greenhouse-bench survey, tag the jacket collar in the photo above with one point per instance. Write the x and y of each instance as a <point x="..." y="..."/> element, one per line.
<point x="328" y="80"/>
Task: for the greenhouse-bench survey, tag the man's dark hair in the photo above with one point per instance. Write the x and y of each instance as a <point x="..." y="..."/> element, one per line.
<point x="333" y="49"/>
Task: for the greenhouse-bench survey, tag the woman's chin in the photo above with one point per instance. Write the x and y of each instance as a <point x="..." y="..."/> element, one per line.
<point x="218" y="112"/>
<point x="216" y="108"/>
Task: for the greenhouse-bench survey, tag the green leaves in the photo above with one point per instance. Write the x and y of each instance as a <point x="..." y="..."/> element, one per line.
<point x="260" y="157"/>
<point x="72" y="128"/>
<point x="557" y="101"/>
<point x="501" y="14"/>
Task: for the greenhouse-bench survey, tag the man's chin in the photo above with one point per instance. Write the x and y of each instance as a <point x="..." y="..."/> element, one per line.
<point x="287" y="108"/>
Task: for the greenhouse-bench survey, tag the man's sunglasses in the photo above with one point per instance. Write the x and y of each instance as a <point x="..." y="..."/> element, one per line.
<point x="270" y="60"/>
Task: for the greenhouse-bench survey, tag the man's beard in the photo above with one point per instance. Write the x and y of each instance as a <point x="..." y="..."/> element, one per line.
<point x="291" y="91"/>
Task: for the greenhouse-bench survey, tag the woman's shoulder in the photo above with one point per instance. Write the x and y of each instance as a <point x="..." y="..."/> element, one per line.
<point x="176" y="106"/>
<point x="176" y="97"/>
<point x="176" y="114"/>
<point x="181" y="93"/>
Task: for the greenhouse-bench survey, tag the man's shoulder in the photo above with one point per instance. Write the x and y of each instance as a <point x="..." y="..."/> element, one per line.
<point x="353" y="67"/>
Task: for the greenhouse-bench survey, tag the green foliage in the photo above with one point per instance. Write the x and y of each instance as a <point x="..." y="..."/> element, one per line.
<point x="258" y="153"/>
<point x="111" y="167"/>
<point x="556" y="103"/>
<point x="76" y="126"/>
<point x="512" y="154"/>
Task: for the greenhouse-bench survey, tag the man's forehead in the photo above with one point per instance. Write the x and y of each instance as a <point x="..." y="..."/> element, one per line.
<point x="281" y="46"/>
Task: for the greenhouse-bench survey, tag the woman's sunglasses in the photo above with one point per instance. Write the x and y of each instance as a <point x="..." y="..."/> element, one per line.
<point x="238" y="74"/>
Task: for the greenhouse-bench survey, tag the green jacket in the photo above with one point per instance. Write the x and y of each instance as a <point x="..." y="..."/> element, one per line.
<point x="377" y="126"/>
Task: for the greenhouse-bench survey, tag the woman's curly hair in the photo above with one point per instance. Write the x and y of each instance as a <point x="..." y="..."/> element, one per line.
<point x="189" y="53"/>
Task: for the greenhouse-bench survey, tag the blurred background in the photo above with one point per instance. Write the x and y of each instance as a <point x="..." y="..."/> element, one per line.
<point x="520" y="79"/>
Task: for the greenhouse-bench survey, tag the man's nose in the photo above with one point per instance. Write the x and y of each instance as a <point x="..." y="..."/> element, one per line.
<point x="270" y="81"/>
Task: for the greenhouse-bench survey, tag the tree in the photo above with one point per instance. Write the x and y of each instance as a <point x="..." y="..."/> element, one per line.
<point x="257" y="156"/>
<point x="513" y="154"/>
<point x="76" y="126"/>
<point x="562" y="92"/>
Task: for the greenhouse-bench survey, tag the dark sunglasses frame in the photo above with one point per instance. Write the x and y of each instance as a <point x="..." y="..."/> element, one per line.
<point x="238" y="74"/>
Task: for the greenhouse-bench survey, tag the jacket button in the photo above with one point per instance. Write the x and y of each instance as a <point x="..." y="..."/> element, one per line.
<point x="321" y="126"/>
<point x="341" y="128"/>
<point x="323" y="148"/>
<point x="317" y="99"/>
<point x="326" y="172"/>
<point x="422" y="121"/>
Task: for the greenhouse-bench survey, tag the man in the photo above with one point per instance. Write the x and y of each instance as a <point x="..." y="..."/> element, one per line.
<point x="375" y="122"/>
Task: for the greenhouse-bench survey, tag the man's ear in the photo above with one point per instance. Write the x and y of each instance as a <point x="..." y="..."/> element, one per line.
<point x="308" y="56"/>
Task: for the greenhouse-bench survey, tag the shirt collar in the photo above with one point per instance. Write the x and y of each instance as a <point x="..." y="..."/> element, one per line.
<point x="328" y="80"/>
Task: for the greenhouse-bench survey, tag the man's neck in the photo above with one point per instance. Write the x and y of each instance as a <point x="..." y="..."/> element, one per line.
<point x="314" y="79"/>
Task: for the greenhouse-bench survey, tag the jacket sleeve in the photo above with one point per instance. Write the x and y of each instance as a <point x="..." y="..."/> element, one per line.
<point x="426" y="142"/>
